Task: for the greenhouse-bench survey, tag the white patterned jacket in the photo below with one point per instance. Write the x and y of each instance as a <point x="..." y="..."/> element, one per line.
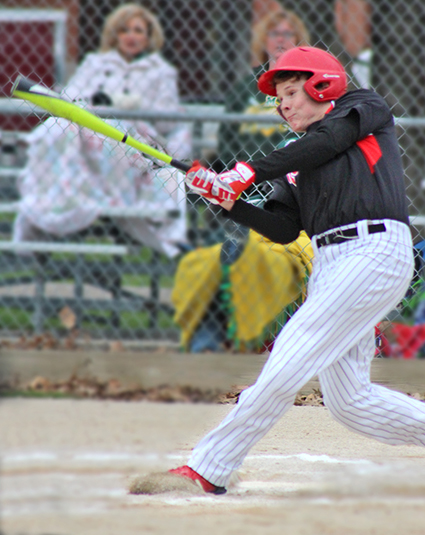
<point x="147" y="83"/>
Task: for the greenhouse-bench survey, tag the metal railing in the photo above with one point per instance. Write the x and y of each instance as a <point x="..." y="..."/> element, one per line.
<point x="16" y="106"/>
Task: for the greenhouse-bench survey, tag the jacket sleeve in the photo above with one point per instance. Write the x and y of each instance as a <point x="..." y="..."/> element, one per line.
<point x="166" y="90"/>
<point x="279" y="220"/>
<point x="78" y="86"/>
<point x="371" y="108"/>
<point x="316" y="148"/>
<point x="166" y="97"/>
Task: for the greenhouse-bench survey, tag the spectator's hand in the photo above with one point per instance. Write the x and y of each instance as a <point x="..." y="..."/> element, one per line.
<point x="229" y="185"/>
<point x="101" y="99"/>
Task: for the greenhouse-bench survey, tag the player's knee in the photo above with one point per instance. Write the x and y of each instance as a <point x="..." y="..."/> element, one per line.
<point x="340" y="410"/>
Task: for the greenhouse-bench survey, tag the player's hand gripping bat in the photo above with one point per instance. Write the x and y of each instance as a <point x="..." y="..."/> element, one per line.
<point x="52" y="102"/>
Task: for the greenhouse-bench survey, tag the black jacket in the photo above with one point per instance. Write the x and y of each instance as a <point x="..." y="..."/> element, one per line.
<point x="346" y="168"/>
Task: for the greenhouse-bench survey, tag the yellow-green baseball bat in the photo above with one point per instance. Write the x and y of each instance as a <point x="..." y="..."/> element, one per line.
<point x="52" y="102"/>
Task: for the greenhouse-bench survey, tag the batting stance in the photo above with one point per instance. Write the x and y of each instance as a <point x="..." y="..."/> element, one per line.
<point x="342" y="182"/>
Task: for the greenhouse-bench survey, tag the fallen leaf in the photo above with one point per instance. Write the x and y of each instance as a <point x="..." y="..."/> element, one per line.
<point x="67" y="317"/>
<point x="116" y="346"/>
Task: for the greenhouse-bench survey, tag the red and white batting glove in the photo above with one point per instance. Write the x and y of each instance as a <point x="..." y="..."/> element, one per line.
<point x="200" y="180"/>
<point x="229" y="185"/>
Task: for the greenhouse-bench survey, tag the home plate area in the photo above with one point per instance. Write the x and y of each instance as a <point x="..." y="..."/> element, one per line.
<point x="67" y="467"/>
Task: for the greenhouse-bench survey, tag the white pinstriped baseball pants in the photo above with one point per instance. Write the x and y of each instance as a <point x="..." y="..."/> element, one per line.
<point x="353" y="285"/>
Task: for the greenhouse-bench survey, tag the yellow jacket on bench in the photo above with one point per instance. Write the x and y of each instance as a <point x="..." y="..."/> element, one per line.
<point x="264" y="280"/>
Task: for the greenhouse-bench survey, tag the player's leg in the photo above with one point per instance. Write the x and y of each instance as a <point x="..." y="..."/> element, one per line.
<point x="366" y="408"/>
<point x="350" y="294"/>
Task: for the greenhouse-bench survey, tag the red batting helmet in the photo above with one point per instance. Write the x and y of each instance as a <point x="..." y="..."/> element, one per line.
<point x="324" y="67"/>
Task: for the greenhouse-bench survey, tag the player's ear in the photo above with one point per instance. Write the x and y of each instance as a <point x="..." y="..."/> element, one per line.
<point x="322" y="86"/>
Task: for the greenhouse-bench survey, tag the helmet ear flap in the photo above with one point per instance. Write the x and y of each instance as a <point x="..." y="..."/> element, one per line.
<point x="332" y="85"/>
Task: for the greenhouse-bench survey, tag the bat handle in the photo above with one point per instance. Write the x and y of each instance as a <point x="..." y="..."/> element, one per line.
<point x="180" y="165"/>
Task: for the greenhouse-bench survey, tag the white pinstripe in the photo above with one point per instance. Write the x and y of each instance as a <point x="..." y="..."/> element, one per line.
<point x="353" y="285"/>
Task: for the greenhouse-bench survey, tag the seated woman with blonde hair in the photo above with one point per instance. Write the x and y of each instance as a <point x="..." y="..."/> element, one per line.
<point x="73" y="175"/>
<point x="129" y="73"/>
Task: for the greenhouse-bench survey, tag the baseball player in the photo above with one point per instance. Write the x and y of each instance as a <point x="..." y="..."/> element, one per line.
<point x="342" y="182"/>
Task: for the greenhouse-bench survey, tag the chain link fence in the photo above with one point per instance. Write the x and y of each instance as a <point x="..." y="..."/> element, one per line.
<point x="99" y="242"/>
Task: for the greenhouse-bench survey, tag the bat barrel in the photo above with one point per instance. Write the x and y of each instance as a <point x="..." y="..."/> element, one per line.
<point x="52" y="102"/>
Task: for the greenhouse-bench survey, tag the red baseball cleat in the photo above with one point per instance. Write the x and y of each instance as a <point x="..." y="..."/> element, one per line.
<point x="186" y="471"/>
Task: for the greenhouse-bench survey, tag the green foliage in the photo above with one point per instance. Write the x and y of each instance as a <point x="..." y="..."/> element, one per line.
<point x="410" y="303"/>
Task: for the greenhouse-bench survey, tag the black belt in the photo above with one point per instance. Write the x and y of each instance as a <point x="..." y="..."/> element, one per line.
<point x="347" y="234"/>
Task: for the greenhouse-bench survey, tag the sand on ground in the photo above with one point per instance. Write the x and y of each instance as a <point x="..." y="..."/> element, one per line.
<point x="66" y="465"/>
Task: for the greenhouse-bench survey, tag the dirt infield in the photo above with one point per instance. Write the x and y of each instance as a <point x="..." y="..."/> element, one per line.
<point x="66" y="465"/>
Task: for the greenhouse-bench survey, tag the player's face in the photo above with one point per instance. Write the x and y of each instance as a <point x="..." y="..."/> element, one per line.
<point x="297" y="108"/>
<point x="280" y="38"/>
<point x="133" y="38"/>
